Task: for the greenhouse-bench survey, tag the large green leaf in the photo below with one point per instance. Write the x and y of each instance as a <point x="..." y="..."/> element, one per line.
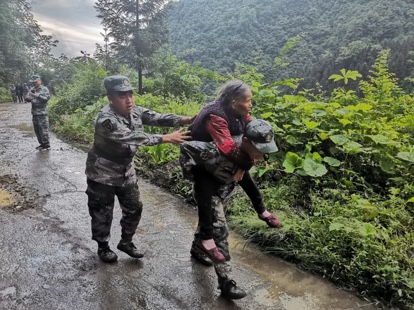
<point x="336" y="226"/>
<point x="364" y="107"/>
<point x="310" y="124"/>
<point x="316" y="157"/>
<point x="381" y="139"/>
<point x="387" y="165"/>
<point x="318" y="113"/>
<point x="406" y="156"/>
<point x="353" y="147"/>
<point x="292" y="162"/>
<point x="339" y="139"/>
<point x="292" y="140"/>
<point x="267" y="115"/>
<point x="323" y="135"/>
<point x="313" y="168"/>
<point x="367" y="229"/>
<point x="332" y="161"/>
<point x="344" y="121"/>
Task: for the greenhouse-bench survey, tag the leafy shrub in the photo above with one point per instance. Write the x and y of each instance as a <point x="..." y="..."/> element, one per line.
<point x="343" y="183"/>
<point x="5" y="95"/>
<point x="84" y="88"/>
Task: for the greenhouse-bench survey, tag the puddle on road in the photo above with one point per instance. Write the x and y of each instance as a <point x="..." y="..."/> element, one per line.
<point x="6" y="199"/>
<point x="289" y="286"/>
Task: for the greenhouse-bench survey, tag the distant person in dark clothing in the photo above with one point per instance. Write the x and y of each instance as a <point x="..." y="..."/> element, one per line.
<point x="26" y="89"/>
<point x="20" y="92"/>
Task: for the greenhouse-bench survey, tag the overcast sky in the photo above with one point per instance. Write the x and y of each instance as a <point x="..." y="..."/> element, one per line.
<point x="72" y="22"/>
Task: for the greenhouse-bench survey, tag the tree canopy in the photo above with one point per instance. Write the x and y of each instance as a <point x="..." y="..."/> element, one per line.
<point x="335" y="35"/>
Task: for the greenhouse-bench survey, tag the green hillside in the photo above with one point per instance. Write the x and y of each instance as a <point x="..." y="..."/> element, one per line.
<point x="336" y="34"/>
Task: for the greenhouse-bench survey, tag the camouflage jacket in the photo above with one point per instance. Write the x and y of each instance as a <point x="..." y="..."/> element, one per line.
<point x="116" y="141"/>
<point x="39" y="103"/>
<point x="207" y="153"/>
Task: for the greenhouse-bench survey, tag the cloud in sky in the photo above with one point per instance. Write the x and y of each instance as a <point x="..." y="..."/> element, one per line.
<point x="73" y="23"/>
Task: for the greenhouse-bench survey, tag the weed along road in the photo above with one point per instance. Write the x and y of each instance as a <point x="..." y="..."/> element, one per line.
<point x="48" y="260"/>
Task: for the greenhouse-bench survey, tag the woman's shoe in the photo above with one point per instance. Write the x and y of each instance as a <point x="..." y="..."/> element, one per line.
<point x="213" y="254"/>
<point x="271" y="221"/>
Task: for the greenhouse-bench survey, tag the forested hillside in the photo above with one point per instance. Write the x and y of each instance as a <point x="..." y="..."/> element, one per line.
<point x="336" y="34"/>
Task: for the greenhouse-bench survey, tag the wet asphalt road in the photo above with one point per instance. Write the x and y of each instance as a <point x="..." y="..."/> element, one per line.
<point x="48" y="260"/>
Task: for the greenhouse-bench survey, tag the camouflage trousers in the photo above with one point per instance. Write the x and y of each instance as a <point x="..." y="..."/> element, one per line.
<point x="220" y="230"/>
<point x="101" y="199"/>
<point x="41" y="128"/>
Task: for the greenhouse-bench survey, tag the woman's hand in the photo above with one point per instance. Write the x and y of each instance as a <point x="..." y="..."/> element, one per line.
<point x="238" y="176"/>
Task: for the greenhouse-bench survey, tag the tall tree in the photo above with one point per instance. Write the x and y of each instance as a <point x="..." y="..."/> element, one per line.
<point x="23" y="47"/>
<point x="136" y="27"/>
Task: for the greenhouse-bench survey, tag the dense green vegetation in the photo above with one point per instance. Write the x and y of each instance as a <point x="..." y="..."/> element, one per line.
<point x="344" y="182"/>
<point x="336" y="35"/>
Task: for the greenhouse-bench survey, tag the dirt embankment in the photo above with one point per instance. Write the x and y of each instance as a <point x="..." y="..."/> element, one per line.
<point x="16" y="197"/>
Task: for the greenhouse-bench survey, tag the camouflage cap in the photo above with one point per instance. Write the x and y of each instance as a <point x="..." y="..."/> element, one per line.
<point x="34" y="78"/>
<point x="117" y="83"/>
<point x="261" y="134"/>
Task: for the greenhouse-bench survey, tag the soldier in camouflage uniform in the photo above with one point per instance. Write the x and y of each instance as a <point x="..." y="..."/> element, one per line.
<point x="39" y="96"/>
<point x="119" y="131"/>
<point x="13" y="93"/>
<point x="257" y="140"/>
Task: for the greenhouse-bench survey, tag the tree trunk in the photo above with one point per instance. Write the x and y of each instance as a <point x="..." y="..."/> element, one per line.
<point x="140" y="81"/>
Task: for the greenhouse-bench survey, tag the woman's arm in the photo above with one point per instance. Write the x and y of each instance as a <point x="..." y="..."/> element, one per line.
<point x="219" y="131"/>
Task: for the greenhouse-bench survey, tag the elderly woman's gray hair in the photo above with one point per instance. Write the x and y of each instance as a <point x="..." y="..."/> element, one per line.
<point x="233" y="90"/>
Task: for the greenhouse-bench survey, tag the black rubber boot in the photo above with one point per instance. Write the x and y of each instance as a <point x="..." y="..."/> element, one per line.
<point x="230" y="290"/>
<point x="107" y="255"/>
<point x="129" y="248"/>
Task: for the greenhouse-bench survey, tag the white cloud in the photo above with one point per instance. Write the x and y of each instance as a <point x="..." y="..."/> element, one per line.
<point x="73" y="23"/>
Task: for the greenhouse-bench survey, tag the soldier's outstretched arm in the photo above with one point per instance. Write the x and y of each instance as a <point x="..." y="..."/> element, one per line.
<point x="108" y="128"/>
<point x="153" y="118"/>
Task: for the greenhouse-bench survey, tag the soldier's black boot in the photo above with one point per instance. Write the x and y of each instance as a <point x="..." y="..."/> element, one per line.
<point x="230" y="290"/>
<point x="44" y="147"/>
<point x="107" y="255"/>
<point x="129" y="248"/>
<point x="200" y="256"/>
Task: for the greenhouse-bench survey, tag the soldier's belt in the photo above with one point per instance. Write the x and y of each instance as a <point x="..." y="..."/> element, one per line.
<point x="118" y="160"/>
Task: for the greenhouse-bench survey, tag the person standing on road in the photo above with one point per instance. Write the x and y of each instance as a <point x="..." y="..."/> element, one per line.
<point x="25" y="89"/>
<point x="110" y="169"/>
<point x="39" y="97"/>
<point x="256" y="141"/>
<point x="20" y="93"/>
<point x="13" y="93"/>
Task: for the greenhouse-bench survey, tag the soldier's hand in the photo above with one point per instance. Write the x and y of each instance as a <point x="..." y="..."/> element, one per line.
<point x="177" y="137"/>
<point x="186" y="120"/>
